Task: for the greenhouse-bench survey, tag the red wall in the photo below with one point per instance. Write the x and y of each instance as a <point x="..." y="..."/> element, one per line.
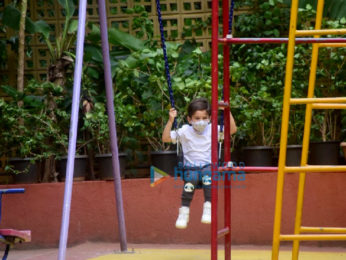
<point x="150" y="213"/>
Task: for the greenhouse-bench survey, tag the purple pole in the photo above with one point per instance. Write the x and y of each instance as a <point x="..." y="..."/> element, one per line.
<point x="73" y="130"/>
<point x="112" y="126"/>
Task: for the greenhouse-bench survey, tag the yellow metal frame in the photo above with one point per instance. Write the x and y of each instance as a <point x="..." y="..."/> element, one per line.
<point x="311" y="103"/>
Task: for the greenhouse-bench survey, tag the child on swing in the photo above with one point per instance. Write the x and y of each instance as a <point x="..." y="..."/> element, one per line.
<point x="195" y="139"/>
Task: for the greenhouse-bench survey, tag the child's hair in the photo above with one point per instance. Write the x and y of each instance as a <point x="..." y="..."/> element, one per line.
<point x="198" y="104"/>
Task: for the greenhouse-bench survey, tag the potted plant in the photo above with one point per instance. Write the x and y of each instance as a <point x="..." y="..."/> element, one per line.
<point x="28" y="139"/>
<point x="257" y="107"/>
<point x="295" y="137"/>
<point x="327" y="124"/>
<point x="60" y="60"/>
<point x="140" y="82"/>
<point x="343" y="147"/>
<point x="15" y="143"/>
<point x="141" y="78"/>
<point x="253" y="64"/>
<point x="343" y="137"/>
<point x="325" y="148"/>
<point x="96" y="122"/>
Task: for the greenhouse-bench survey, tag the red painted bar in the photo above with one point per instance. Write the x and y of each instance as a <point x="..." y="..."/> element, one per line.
<point x="214" y="132"/>
<point x="227" y="138"/>
<point x="249" y="169"/>
<point x="280" y="40"/>
<point x="223" y="105"/>
<point x="223" y="232"/>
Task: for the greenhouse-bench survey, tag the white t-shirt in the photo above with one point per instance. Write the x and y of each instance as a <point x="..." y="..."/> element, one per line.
<point x="196" y="146"/>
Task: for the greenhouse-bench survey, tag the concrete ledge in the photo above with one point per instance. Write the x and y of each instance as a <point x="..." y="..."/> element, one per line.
<point x="151" y="212"/>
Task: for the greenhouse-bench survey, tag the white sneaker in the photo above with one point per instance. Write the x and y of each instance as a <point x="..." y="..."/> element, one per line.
<point x="183" y="218"/>
<point x="206" y="217"/>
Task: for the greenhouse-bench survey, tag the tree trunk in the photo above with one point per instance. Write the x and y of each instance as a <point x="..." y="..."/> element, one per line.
<point x="49" y="169"/>
<point x="56" y="74"/>
<point x="21" y="58"/>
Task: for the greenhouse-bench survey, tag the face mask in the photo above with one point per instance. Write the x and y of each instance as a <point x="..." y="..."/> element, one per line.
<point x="200" y="125"/>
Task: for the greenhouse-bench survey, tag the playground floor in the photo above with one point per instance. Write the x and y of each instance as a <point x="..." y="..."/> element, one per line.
<point x="109" y="251"/>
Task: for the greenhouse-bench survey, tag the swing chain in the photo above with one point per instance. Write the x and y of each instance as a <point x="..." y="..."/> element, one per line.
<point x="163" y="43"/>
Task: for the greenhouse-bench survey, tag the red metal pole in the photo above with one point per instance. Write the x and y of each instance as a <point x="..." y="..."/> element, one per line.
<point x="279" y="40"/>
<point x="214" y="133"/>
<point x="227" y="143"/>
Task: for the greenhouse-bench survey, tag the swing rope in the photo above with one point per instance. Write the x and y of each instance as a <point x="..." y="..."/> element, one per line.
<point x="163" y="44"/>
<point x="230" y="20"/>
<point x="168" y="75"/>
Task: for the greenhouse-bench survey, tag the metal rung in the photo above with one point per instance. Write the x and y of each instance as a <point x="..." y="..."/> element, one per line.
<point x="14" y="190"/>
<point x="316" y="168"/>
<point x="223" y="104"/>
<point x="320" y="32"/>
<point x="222" y="232"/>
<point x="323" y="230"/>
<point x="312" y="237"/>
<point x="248" y="169"/>
<point x="332" y="45"/>
<point x="329" y="106"/>
<point x="279" y="40"/>
<point x="317" y="100"/>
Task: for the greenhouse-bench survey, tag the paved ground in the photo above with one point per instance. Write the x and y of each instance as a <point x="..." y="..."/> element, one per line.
<point x="108" y="251"/>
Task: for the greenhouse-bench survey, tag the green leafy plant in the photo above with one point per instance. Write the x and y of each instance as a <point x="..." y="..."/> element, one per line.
<point x="141" y="24"/>
<point x="38" y="137"/>
<point x="141" y="81"/>
<point x="258" y="72"/>
<point x="330" y="82"/>
<point x="96" y="122"/>
<point x="257" y="98"/>
<point x="59" y="47"/>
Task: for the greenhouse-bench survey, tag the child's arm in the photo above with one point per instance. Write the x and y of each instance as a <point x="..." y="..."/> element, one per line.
<point x="166" y="135"/>
<point x="233" y="126"/>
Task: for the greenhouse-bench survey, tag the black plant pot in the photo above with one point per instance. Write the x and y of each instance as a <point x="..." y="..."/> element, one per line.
<point x="293" y="155"/>
<point x="257" y="155"/>
<point x="24" y="164"/>
<point x="324" y="153"/>
<point x="235" y="156"/>
<point x="105" y="165"/>
<point x="80" y="167"/>
<point x="166" y="161"/>
<point x="343" y="148"/>
<point x="6" y="178"/>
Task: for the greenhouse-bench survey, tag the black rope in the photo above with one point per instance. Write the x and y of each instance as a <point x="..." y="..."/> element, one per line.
<point x="230" y="20"/>
<point x="230" y="23"/>
<point x="163" y="43"/>
<point x="7" y="250"/>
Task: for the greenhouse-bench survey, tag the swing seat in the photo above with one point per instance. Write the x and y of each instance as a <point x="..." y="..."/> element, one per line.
<point x="12" y="236"/>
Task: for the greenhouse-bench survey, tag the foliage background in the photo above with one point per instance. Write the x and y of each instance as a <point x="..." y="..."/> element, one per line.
<point x="141" y="96"/>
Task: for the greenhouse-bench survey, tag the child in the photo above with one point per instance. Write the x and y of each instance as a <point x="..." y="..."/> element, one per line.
<point x="195" y="139"/>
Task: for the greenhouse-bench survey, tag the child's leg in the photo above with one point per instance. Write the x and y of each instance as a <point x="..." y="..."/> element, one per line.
<point x="206" y="183"/>
<point x="190" y="184"/>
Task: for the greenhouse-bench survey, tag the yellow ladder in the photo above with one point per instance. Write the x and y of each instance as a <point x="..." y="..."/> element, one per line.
<point x="311" y="103"/>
